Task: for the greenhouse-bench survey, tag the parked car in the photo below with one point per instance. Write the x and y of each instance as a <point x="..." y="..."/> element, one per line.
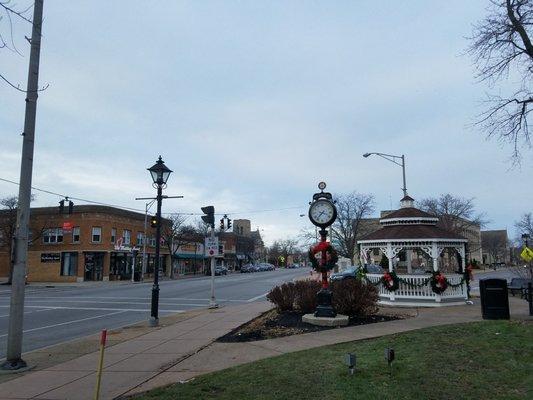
<point x="374" y="269"/>
<point x="247" y="268"/>
<point x="349" y="273"/>
<point x="219" y="270"/>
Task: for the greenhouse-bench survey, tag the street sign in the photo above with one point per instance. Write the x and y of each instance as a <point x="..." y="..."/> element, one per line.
<point x="211" y="246"/>
<point x="527" y="254"/>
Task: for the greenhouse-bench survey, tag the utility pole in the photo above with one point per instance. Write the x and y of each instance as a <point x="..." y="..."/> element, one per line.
<point x="14" y="359"/>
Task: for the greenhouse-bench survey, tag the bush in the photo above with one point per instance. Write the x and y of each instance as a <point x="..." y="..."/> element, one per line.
<point x="353" y="297"/>
<point x="283" y="297"/>
<point x="305" y="298"/>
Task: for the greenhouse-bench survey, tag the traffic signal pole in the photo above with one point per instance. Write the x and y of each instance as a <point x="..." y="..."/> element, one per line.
<point x="212" y="302"/>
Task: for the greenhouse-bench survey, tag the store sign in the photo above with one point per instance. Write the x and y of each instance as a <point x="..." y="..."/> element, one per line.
<point x="50" y="257"/>
<point x="211" y="247"/>
<point x="67" y="227"/>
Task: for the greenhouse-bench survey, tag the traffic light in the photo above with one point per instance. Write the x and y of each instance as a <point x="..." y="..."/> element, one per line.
<point x="209" y="217"/>
<point x="61" y="206"/>
<point x="221" y="224"/>
<point x="153" y="221"/>
<point x="229" y="223"/>
<point x="70" y="207"/>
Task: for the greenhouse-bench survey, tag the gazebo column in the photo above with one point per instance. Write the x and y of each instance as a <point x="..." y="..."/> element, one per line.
<point x="408" y="258"/>
<point x="435" y="256"/>
<point x="390" y="255"/>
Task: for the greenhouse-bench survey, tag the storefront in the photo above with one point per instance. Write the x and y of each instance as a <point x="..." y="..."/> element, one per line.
<point x="93" y="266"/>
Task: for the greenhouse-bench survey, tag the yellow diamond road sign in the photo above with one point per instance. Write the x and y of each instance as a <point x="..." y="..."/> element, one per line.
<point x="527" y="254"/>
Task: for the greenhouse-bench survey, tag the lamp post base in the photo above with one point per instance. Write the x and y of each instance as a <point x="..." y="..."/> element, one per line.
<point x="154" y="321"/>
<point x="324" y="308"/>
<point x="13" y="365"/>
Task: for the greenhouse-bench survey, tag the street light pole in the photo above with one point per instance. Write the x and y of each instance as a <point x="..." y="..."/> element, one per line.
<point x="154" y="315"/>
<point x="14" y="359"/>
<point x="392" y="158"/>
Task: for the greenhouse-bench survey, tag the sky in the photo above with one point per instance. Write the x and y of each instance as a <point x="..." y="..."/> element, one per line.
<point x="252" y="103"/>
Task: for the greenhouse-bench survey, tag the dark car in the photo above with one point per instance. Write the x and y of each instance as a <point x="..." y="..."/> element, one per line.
<point x="349" y="273"/>
<point x="247" y="268"/>
<point x="219" y="270"/>
<point x="373" y="269"/>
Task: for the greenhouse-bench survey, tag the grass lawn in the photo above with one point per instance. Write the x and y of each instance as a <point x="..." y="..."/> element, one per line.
<point x="483" y="360"/>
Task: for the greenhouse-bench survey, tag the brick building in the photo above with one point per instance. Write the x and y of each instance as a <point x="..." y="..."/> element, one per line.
<point x="93" y="243"/>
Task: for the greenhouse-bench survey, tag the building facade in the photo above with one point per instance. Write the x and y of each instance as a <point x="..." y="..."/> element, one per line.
<point x="94" y="243"/>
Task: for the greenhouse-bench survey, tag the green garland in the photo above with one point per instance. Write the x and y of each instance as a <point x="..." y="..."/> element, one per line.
<point x="432" y="280"/>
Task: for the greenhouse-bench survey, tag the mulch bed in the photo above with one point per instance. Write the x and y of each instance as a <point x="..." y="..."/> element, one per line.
<point x="272" y="324"/>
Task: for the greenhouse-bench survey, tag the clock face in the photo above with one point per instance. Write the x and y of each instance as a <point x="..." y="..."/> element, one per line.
<point x="322" y="213"/>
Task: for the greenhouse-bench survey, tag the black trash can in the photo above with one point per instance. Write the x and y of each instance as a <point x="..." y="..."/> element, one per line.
<point x="494" y="299"/>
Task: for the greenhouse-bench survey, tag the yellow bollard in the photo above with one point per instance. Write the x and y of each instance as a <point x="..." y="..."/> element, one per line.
<point x="103" y="337"/>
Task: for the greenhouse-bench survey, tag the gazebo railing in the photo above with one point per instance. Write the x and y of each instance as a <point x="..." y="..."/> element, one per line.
<point x="416" y="287"/>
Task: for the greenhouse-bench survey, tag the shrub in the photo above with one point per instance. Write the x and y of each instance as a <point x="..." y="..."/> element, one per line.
<point x="305" y="298"/>
<point x="283" y="297"/>
<point x="354" y="297"/>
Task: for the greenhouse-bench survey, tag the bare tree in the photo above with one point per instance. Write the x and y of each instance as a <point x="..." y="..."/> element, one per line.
<point x="284" y="248"/>
<point x="176" y="233"/>
<point x="458" y="215"/>
<point x="8" y="223"/>
<point x="525" y="224"/>
<point x="351" y="209"/>
<point x="501" y="47"/>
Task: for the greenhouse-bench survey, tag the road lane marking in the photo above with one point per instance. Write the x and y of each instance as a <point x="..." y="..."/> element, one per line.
<point x="257" y="297"/>
<point x="29" y="298"/>
<point x="101" y="309"/>
<point x="26" y="312"/>
<point x="117" y="302"/>
<point x="67" y="323"/>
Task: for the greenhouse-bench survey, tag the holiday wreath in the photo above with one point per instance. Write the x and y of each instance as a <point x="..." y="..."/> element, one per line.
<point x="438" y="282"/>
<point x="331" y="257"/>
<point x="390" y="281"/>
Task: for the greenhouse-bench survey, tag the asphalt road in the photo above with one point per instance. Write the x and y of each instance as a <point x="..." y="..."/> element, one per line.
<point x="62" y="313"/>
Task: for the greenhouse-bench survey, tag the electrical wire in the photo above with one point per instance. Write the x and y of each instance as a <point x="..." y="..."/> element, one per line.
<point x="143" y="211"/>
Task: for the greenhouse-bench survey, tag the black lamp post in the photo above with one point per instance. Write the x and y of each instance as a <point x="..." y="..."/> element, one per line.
<point x="525" y="238"/>
<point x="160" y="174"/>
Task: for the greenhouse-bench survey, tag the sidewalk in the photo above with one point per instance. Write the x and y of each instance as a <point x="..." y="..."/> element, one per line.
<point x="187" y="349"/>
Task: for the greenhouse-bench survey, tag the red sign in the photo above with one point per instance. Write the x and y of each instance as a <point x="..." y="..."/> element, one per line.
<point x="67" y="226"/>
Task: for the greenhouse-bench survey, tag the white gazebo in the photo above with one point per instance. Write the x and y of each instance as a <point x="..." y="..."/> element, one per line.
<point x="410" y="229"/>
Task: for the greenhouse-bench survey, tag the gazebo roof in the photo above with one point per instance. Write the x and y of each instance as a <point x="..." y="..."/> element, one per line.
<point x="410" y="232"/>
<point x="409" y="212"/>
<point x="410" y="223"/>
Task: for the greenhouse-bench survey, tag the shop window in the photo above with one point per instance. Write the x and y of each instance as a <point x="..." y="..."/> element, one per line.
<point x="96" y="236"/>
<point x="53" y="235"/>
<point x="126" y="236"/>
<point x="69" y="264"/>
<point x="76" y="234"/>
<point x="152" y="241"/>
<point x="140" y="236"/>
<point x="113" y="235"/>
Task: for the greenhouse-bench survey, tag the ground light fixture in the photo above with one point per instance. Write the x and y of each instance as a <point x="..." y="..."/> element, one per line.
<point x="350" y="360"/>
<point x="389" y="357"/>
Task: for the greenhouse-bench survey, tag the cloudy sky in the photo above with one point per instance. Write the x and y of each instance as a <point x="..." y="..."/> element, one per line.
<point x="252" y="103"/>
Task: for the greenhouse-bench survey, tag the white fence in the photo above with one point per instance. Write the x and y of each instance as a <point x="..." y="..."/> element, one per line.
<point x="416" y="287"/>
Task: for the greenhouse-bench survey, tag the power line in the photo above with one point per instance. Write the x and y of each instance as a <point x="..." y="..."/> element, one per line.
<point x="142" y="211"/>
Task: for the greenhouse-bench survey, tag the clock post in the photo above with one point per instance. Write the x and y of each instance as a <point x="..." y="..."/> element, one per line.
<point x="323" y="213"/>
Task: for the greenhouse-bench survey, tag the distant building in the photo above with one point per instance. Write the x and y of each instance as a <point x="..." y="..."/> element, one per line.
<point x="495" y="247"/>
<point x="93" y="243"/>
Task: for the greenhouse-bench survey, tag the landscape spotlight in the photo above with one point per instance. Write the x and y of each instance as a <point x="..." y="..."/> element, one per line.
<point x="350" y="361"/>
